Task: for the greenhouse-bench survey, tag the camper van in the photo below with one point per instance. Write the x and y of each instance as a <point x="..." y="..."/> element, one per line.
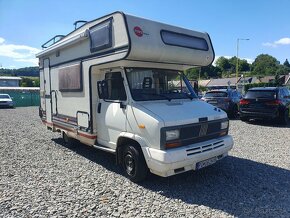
<point x="117" y="83"/>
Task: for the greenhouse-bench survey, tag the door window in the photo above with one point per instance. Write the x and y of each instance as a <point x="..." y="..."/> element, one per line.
<point x="116" y="89"/>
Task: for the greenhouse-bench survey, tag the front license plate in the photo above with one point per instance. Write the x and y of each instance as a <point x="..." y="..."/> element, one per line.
<point x="205" y="163"/>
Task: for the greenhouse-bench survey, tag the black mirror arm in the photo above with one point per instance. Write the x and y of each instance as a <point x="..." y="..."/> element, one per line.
<point x="122" y="105"/>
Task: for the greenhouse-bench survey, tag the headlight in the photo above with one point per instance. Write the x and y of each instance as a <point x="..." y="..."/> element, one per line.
<point x="172" y="134"/>
<point x="225" y="124"/>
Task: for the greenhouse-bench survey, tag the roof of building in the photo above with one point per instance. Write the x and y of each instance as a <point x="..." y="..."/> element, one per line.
<point x="10" y="78"/>
<point x="203" y="82"/>
<point x="223" y="82"/>
<point x="287" y="79"/>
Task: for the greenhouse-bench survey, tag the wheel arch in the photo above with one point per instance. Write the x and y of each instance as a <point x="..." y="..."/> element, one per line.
<point x="125" y="139"/>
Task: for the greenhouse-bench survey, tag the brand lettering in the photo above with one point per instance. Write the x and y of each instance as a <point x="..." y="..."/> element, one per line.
<point x="138" y="31"/>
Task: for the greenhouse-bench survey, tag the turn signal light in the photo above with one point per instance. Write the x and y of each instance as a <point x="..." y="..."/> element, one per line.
<point x="172" y="144"/>
<point x="244" y="102"/>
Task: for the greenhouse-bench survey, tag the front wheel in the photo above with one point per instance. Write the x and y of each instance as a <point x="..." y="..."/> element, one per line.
<point x="133" y="163"/>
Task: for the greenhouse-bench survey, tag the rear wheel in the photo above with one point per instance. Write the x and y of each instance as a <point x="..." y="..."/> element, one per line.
<point x="284" y="118"/>
<point x="70" y="142"/>
<point x="244" y="119"/>
<point x="235" y="112"/>
<point x="133" y="163"/>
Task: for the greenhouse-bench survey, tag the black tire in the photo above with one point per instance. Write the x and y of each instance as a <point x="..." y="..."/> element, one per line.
<point x="234" y="112"/>
<point x="70" y="142"/>
<point x="133" y="163"/>
<point x="244" y="119"/>
<point x="284" y="118"/>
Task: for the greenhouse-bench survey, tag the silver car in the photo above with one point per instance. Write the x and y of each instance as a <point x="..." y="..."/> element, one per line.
<point x="6" y="101"/>
<point x="226" y="99"/>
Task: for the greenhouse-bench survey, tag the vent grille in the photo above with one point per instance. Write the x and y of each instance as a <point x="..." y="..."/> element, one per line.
<point x="204" y="148"/>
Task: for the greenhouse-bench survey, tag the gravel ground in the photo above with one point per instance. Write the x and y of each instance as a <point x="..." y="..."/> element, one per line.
<point x="41" y="177"/>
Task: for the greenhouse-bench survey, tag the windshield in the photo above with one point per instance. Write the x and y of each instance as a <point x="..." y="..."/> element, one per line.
<point x="4" y="96"/>
<point x="216" y="94"/>
<point x="269" y="94"/>
<point x="158" y="84"/>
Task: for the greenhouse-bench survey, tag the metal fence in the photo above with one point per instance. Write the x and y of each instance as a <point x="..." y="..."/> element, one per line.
<point x="23" y="98"/>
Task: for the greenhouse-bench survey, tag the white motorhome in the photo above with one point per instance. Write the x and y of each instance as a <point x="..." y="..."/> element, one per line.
<point x="111" y="84"/>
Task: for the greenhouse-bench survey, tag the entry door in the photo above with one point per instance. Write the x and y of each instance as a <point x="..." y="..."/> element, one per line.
<point x="47" y="90"/>
<point x="111" y="112"/>
<point x="42" y="90"/>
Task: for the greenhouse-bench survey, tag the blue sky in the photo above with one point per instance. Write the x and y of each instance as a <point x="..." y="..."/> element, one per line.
<point x="26" y="24"/>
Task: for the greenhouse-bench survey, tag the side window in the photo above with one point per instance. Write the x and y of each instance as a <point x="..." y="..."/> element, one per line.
<point x="116" y="89"/>
<point x="101" y="36"/>
<point x="70" y="78"/>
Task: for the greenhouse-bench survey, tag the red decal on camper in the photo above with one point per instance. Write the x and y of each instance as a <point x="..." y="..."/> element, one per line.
<point x="138" y="31"/>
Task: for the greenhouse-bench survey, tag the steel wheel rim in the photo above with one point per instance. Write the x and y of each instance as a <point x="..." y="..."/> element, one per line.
<point x="129" y="164"/>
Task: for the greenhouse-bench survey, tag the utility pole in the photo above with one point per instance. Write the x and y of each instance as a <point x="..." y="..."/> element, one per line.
<point x="237" y="62"/>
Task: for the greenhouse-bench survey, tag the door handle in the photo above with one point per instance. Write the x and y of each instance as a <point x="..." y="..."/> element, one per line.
<point x="99" y="108"/>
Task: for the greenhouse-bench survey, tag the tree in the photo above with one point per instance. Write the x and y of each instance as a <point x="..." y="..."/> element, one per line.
<point x="204" y="72"/>
<point x="223" y="63"/>
<point x="283" y="70"/>
<point x="265" y="64"/>
<point x="192" y="73"/>
<point x="286" y="63"/>
<point x="244" y="66"/>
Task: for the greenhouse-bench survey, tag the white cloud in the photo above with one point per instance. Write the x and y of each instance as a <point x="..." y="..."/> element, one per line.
<point x="282" y="41"/>
<point x="34" y="61"/>
<point x="268" y="44"/>
<point x="19" y="53"/>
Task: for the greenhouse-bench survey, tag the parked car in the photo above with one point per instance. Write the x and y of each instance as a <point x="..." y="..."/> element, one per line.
<point x="225" y="99"/>
<point x="270" y="103"/>
<point x="6" y="101"/>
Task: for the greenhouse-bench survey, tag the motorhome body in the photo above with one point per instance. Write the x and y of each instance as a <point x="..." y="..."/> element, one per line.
<point x="117" y="83"/>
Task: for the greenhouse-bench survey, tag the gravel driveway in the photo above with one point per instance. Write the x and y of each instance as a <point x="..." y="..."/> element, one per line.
<point x="41" y="177"/>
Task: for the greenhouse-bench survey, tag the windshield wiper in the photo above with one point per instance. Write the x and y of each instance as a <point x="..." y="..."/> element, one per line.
<point x="155" y="94"/>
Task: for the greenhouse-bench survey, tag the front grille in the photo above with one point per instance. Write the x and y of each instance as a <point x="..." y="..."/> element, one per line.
<point x="3" y="102"/>
<point x="204" y="148"/>
<point x="194" y="133"/>
<point x="195" y="129"/>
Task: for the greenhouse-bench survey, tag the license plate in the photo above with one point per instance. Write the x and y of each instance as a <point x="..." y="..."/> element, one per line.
<point x="205" y="163"/>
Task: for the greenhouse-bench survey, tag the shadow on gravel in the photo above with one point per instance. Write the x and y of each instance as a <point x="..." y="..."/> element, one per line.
<point x="105" y="159"/>
<point x="236" y="186"/>
<point x="240" y="187"/>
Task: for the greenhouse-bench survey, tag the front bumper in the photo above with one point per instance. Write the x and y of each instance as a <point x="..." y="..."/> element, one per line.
<point x="6" y="104"/>
<point x="178" y="160"/>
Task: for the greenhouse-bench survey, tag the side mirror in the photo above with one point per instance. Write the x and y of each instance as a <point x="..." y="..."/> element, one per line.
<point x="103" y="89"/>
